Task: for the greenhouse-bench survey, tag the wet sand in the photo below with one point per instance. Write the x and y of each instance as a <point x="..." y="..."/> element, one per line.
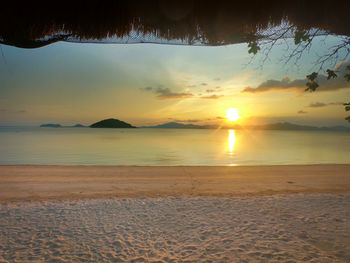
<point x="57" y="182"/>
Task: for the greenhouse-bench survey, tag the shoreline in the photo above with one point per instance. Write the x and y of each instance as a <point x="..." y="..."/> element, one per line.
<point x="72" y="182"/>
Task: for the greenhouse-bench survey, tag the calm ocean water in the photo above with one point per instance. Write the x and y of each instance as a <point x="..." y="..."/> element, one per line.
<point x="170" y="146"/>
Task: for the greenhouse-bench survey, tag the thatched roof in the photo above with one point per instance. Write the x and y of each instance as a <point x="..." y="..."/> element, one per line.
<point x="210" y="22"/>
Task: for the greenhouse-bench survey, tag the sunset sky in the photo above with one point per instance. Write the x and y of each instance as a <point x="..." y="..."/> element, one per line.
<point x="146" y="84"/>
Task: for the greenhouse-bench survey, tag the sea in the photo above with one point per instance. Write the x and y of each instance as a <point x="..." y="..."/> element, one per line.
<point x="171" y="147"/>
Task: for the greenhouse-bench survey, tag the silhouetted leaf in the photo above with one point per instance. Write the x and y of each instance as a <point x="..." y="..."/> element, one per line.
<point x="300" y="36"/>
<point x="347" y="106"/>
<point x="331" y="74"/>
<point x="253" y="47"/>
<point x="347" y="76"/>
<point x="312" y="76"/>
<point x="311" y="86"/>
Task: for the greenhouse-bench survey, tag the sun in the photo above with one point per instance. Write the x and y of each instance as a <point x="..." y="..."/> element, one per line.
<point x="232" y="114"/>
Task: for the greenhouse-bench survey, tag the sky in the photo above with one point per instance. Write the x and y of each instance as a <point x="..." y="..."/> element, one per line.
<point x="147" y="84"/>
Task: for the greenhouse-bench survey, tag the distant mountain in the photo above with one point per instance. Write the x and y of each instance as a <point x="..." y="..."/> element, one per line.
<point x="111" y="123"/>
<point x="285" y="126"/>
<point x="296" y="127"/>
<point x="51" y="125"/>
<point x="176" y="125"/>
<point x="273" y="126"/>
<point x="78" y="126"/>
<point x="56" y="125"/>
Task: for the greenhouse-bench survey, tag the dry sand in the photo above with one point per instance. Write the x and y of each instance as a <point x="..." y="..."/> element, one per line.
<point x="175" y="214"/>
<point x="23" y="183"/>
<point x="275" y="228"/>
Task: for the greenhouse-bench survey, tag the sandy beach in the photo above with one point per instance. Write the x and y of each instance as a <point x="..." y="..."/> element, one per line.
<point x="271" y="228"/>
<point x="24" y="183"/>
<point x="175" y="214"/>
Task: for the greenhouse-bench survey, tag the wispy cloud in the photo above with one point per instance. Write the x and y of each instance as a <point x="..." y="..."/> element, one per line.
<point x="166" y="93"/>
<point x="302" y="112"/>
<point x="12" y="111"/>
<point x="317" y="105"/>
<point x="336" y="103"/>
<point x="217" y="89"/>
<point x="204" y="84"/>
<point x="213" y="97"/>
<point x="322" y="104"/>
<point x="184" y="120"/>
<point x="299" y="85"/>
<point x="197" y="120"/>
<point x="147" y="88"/>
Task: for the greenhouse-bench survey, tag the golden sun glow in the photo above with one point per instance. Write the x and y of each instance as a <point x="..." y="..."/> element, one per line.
<point x="232" y="114"/>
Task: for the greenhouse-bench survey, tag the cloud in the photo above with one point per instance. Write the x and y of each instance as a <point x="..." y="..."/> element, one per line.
<point x="180" y="120"/>
<point x="217" y="89"/>
<point x="302" y="112"/>
<point x="204" y="84"/>
<point x="280" y="85"/>
<point x="191" y="86"/>
<point x="166" y="93"/>
<point x="322" y="104"/>
<point x="299" y="85"/>
<point x="147" y="88"/>
<point x="336" y="103"/>
<point x="12" y="111"/>
<point x="215" y="118"/>
<point x="197" y="120"/>
<point x="341" y="64"/>
<point x="317" y="105"/>
<point x="214" y="97"/>
<point x="217" y="79"/>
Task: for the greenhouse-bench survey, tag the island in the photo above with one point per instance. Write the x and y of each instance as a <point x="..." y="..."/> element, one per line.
<point x="111" y="123"/>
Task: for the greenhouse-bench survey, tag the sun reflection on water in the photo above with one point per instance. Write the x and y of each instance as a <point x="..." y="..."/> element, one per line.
<point x="231" y="141"/>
